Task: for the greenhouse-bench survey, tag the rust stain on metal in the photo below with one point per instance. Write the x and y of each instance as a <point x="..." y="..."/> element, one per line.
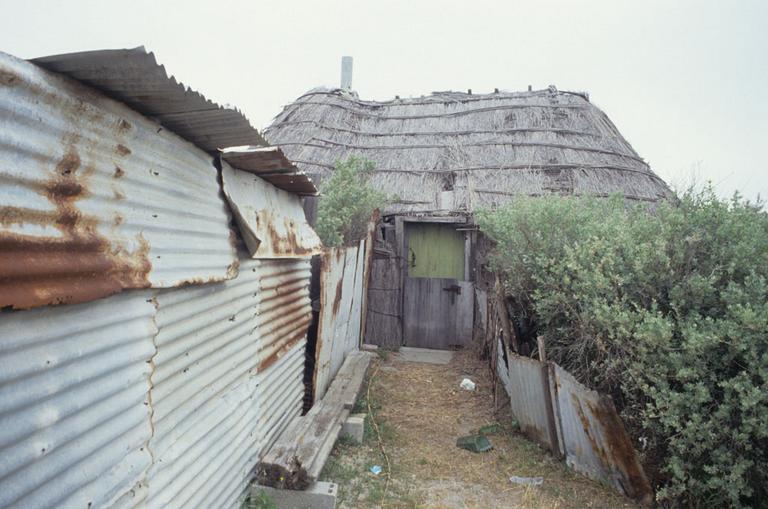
<point x="337" y="297"/>
<point x="76" y="266"/>
<point x="8" y="79"/>
<point x="119" y="172"/>
<point x="122" y="150"/>
<point x="290" y="342"/>
<point x="123" y="126"/>
<point x="620" y="455"/>
<point x="288" y="244"/>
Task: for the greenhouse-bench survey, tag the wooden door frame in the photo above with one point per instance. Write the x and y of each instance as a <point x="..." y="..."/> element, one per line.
<point x="401" y="251"/>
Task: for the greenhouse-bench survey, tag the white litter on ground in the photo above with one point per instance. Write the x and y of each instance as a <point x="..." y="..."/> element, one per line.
<point x="527" y="481"/>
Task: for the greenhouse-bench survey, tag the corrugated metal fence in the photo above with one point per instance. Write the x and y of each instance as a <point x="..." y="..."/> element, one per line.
<point x="342" y="283"/>
<point x="572" y="421"/>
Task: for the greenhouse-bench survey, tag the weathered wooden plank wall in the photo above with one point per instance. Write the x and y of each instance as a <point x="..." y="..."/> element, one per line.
<point x="383" y="324"/>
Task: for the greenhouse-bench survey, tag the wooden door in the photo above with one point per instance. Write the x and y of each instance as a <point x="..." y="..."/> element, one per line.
<point x="438" y="302"/>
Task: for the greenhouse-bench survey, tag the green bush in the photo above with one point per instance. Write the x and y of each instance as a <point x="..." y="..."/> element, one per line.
<point x="667" y="311"/>
<point x="347" y="202"/>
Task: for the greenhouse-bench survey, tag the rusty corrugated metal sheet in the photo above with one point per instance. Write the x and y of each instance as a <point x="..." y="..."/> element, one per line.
<point x="560" y="413"/>
<point x="134" y="77"/>
<point x="341" y="299"/>
<point x="215" y="345"/>
<point x="270" y="164"/>
<point x="152" y="398"/>
<point x="271" y="221"/>
<point x="74" y="407"/>
<point x="95" y="198"/>
<point x="595" y="440"/>
<point x="284" y="311"/>
<point x="279" y="395"/>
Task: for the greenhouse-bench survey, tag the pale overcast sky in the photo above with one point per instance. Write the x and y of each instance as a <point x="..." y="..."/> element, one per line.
<point x="684" y="81"/>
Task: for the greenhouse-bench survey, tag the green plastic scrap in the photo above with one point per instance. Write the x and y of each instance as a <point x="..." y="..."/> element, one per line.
<point x="474" y="443"/>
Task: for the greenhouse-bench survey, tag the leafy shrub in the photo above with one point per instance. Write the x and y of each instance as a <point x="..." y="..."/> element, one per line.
<point x="347" y="203"/>
<point x="667" y="311"/>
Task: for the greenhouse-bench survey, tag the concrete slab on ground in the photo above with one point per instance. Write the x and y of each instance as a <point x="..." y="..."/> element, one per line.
<point x="425" y="355"/>
<point x="319" y="495"/>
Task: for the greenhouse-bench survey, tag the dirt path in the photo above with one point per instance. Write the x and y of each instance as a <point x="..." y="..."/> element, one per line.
<point x="421" y="412"/>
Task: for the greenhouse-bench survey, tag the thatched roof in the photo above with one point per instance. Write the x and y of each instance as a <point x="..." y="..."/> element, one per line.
<point x="485" y="148"/>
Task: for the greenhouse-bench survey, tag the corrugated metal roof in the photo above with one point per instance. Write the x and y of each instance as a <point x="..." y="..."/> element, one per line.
<point x="270" y="164"/>
<point x="134" y="77"/>
<point x="95" y="198"/>
<point x="271" y="221"/>
<point x="74" y="414"/>
<point x="219" y="349"/>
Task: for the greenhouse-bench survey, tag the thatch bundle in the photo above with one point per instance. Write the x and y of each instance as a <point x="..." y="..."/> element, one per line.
<point x="456" y="151"/>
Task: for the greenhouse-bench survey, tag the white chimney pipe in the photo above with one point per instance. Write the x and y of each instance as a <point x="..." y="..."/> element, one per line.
<point x="346" y="73"/>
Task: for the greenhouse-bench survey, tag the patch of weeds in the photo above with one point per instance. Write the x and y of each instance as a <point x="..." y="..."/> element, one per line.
<point x="260" y="500"/>
<point x="490" y="429"/>
<point x="385" y="351"/>
<point x="338" y="471"/>
<point x="345" y="441"/>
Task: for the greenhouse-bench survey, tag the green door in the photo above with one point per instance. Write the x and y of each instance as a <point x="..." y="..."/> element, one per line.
<point x="438" y="302"/>
<point x="435" y="250"/>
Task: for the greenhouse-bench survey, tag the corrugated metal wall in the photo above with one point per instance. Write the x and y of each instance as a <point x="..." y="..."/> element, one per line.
<point x="212" y="342"/>
<point x="95" y="198"/>
<point x="74" y="401"/>
<point x="163" y="398"/>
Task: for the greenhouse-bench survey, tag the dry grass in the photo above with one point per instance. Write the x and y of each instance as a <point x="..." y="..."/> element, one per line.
<point x="421" y="411"/>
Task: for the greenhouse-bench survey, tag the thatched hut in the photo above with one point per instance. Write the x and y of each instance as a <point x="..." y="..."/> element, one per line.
<point x="443" y="156"/>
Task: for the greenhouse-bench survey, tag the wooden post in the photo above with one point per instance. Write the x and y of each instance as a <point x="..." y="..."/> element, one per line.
<point x="542" y="352"/>
<point x="510" y="335"/>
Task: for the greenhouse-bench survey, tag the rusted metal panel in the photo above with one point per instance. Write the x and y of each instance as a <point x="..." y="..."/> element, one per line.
<point x="341" y="290"/>
<point x="284" y="311"/>
<point x="134" y="77"/>
<point x="279" y="395"/>
<point x="270" y="164"/>
<point x="74" y="406"/>
<point x="271" y="221"/>
<point x="95" y="198"/>
<point x="596" y="442"/>
<point x="215" y="345"/>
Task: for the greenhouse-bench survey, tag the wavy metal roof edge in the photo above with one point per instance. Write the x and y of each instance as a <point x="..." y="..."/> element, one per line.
<point x="133" y="76"/>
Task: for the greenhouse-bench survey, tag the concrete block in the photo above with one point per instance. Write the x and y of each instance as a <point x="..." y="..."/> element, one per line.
<point x="354" y="426"/>
<point x="425" y="355"/>
<point x="319" y="495"/>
